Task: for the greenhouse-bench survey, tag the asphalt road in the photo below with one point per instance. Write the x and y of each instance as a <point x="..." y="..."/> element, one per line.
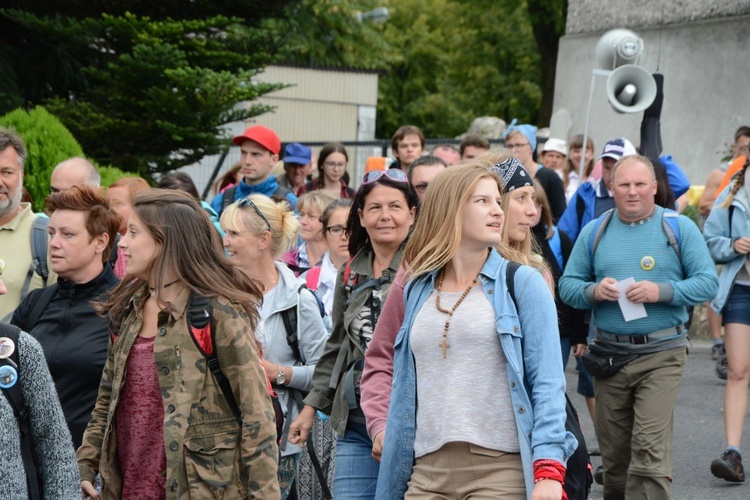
<point x="699" y="432"/>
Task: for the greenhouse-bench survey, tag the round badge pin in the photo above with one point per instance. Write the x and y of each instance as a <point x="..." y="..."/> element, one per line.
<point x="8" y="376"/>
<point x="647" y="263"/>
<point x="7" y="347"/>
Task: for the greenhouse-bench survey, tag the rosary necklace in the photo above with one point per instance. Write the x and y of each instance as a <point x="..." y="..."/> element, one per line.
<point x="444" y="344"/>
<point x="153" y="290"/>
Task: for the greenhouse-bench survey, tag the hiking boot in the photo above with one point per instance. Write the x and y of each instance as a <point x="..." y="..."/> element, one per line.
<point x="599" y="474"/>
<point x="722" y="366"/>
<point x="729" y="467"/>
<point x="717" y="350"/>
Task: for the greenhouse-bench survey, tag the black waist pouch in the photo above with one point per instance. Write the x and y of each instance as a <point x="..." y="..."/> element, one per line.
<point x="604" y="361"/>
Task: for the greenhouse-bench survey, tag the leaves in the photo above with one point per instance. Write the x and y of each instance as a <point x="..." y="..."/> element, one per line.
<point x="143" y="94"/>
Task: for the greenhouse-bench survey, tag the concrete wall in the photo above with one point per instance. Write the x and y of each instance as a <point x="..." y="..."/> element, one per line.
<point x="587" y="16"/>
<point x="705" y="63"/>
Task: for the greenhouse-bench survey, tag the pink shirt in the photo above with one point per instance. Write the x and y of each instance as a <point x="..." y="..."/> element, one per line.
<point x="140" y="426"/>
<point x="377" y="376"/>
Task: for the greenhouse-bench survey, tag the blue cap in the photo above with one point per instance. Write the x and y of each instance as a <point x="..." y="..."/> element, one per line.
<point x="529" y="131"/>
<point x="294" y="152"/>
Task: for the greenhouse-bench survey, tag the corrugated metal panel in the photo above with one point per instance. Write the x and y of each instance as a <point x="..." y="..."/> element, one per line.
<point x="324" y="86"/>
<point x="323" y="105"/>
<point x="299" y="121"/>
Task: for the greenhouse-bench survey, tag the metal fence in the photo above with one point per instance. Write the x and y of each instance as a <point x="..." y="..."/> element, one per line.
<point x="358" y="151"/>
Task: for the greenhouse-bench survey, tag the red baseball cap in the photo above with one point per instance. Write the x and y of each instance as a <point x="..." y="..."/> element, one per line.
<point x="263" y="136"/>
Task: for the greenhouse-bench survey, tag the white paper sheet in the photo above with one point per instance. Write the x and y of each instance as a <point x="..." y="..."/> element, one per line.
<point x="630" y="310"/>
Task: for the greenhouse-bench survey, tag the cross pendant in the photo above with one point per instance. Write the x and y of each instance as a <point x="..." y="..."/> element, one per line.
<point x="445" y="345"/>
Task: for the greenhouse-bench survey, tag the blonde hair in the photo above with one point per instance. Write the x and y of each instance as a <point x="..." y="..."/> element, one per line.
<point x="283" y="223"/>
<point x="437" y="233"/>
<point x="316" y="201"/>
<point x="518" y="251"/>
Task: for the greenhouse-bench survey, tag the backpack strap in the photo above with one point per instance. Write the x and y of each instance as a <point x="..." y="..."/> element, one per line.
<point x="15" y="397"/>
<point x="228" y="198"/>
<point x="38" y="253"/>
<point x="596" y="234"/>
<point x="202" y="328"/>
<point x="40" y="305"/>
<point x="289" y="317"/>
<point x="313" y="278"/>
<point x="510" y="280"/>
<point x="670" y="224"/>
<point x="556" y="246"/>
<point x="280" y="194"/>
<point x="349" y="280"/>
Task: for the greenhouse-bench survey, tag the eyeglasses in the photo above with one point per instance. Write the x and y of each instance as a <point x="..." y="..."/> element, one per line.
<point x="744" y="148"/>
<point x="517" y="145"/>
<point x="421" y="187"/>
<point x="334" y="165"/>
<point x="335" y="230"/>
<point x="248" y="202"/>
<point x="394" y="174"/>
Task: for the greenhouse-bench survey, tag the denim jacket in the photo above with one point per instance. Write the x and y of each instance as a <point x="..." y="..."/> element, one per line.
<point x="720" y="237"/>
<point x="530" y="341"/>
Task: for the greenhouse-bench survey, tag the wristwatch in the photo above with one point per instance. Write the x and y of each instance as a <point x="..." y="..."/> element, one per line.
<point x="281" y="377"/>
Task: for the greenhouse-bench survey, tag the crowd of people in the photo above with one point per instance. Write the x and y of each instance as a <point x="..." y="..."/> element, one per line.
<point x="404" y="335"/>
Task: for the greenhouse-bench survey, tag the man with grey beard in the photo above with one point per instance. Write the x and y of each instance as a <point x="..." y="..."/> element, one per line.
<point x="17" y="221"/>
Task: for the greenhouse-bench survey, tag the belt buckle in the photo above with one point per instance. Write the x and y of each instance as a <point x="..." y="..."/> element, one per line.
<point x="639" y="339"/>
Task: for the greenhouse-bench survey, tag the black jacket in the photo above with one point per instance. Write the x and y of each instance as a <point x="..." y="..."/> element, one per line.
<point x="555" y="191"/>
<point x="74" y="339"/>
<point x="572" y="321"/>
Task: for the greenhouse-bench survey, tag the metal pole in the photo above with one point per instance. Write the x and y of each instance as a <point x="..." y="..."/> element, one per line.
<point x="219" y="164"/>
<point x="594" y="74"/>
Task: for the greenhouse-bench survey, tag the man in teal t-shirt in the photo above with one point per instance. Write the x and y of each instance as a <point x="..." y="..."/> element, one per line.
<point x="634" y="407"/>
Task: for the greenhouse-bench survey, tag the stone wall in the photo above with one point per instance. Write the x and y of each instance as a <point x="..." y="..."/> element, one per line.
<point x="587" y="16"/>
<point x="705" y="62"/>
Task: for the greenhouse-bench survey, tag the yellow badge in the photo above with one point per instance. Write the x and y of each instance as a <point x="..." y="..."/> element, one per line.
<point x="647" y="263"/>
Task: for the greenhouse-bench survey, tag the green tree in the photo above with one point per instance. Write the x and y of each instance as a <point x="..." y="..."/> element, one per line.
<point x="146" y="91"/>
<point x="443" y="62"/>
<point x="547" y="19"/>
<point x="47" y="143"/>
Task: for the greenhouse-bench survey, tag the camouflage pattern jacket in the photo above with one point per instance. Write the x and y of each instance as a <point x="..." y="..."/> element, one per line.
<point x="208" y="455"/>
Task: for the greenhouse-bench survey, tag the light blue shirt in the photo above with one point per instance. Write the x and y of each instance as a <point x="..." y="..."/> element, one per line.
<point x="530" y="341"/>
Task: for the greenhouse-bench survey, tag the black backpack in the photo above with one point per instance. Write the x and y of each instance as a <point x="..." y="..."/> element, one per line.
<point x="15" y="397"/>
<point x="200" y="321"/>
<point x="228" y="198"/>
<point x="578" y="475"/>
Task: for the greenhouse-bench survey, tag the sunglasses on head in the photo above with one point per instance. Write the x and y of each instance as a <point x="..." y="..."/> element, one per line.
<point x="248" y="202"/>
<point x="394" y="174"/>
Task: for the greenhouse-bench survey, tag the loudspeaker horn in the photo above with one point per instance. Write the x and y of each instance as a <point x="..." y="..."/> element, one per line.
<point x="618" y="47"/>
<point x="631" y="89"/>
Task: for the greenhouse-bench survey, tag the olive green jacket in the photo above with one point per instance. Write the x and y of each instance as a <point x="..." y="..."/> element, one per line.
<point x="208" y="455"/>
<point x="343" y="346"/>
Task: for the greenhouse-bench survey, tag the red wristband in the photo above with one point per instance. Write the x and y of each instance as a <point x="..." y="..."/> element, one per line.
<point x="550" y="469"/>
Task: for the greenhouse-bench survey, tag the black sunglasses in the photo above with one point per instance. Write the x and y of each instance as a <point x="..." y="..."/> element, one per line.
<point x="248" y="202"/>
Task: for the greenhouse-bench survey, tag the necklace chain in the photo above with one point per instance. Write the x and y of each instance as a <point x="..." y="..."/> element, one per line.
<point x="441" y="275"/>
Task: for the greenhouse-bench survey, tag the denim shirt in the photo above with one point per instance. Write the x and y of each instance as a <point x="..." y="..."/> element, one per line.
<point x="720" y="238"/>
<point x="530" y="342"/>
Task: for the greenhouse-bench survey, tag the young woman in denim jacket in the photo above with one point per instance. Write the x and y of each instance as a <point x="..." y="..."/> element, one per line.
<point x="516" y="429"/>
<point x="727" y="232"/>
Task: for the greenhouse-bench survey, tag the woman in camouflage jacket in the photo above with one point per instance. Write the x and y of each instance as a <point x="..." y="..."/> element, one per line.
<point x="161" y="427"/>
